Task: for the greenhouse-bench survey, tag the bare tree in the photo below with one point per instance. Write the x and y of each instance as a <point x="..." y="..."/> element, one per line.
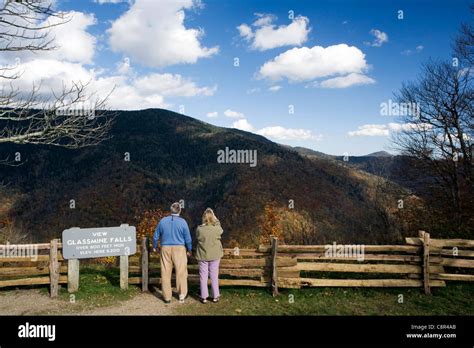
<point x="73" y="117"/>
<point x="25" y="25"/>
<point x="464" y="43"/>
<point x="59" y="124"/>
<point x="439" y="129"/>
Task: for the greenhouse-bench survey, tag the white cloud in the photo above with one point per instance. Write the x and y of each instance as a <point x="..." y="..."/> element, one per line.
<point x="281" y="133"/>
<point x="48" y="74"/>
<point x="353" y="79"/>
<point x="233" y="114"/>
<point x="370" y="130"/>
<point x="373" y="130"/>
<point x="212" y="114"/>
<point x="306" y="64"/>
<point x="417" y="49"/>
<point x="126" y="96"/>
<point x="245" y="31"/>
<point x="264" y="19"/>
<point x="277" y="132"/>
<point x="101" y="2"/>
<point x="266" y="35"/>
<point x="54" y="70"/>
<point x="124" y="66"/>
<point x="129" y="93"/>
<point x="74" y="43"/>
<point x="153" y="33"/>
<point x="170" y="85"/>
<point x="71" y="40"/>
<point x="379" y="38"/>
<point x="408" y="127"/>
<point x="243" y="124"/>
<point x="253" y="90"/>
<point x="275" y="88"/>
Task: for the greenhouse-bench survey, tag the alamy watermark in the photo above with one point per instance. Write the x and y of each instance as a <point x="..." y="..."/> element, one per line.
<point x="237" y="156"/>
<point x="392" y="108"/>
<point x="37" y="331"/>
<point x="19" y="250"/>
<point x="80" y="111"/>
<point x="349" y="251"/>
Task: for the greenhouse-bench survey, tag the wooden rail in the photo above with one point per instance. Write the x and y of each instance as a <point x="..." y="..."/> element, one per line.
<point x="421" y="263"/>
<point x="42" y="265"/>
<point x="454" y="257"/>
<point x="239" y="267"/>
<point x="424" y="262"/>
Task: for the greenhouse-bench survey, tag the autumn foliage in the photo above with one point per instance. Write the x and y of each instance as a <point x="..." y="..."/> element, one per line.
<point x="148" y="222"/>
<point x="270" y="225"/>
<point x="288" y="225"/>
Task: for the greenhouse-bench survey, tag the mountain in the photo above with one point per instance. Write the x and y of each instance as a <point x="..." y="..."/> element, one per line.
<point x="432" y="204"/>
<point x="379" y="154"/>
<point x="173" y="157"/>
<point x="303" y="151"/>
<point x="313" y="153"/>
<point x="396" y="168"/>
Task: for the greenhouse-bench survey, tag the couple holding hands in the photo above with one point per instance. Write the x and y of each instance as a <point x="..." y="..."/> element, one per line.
<point x="176" y="245"/>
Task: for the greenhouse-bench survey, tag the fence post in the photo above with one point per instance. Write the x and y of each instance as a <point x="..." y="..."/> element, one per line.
<point x="73" y="275"/>
<point x="145" y="255"/>
<point x="425" y="239"/>
<point x="274" y="281"/>
<point x="124" y="272"/>
<point x="53" y="268"/>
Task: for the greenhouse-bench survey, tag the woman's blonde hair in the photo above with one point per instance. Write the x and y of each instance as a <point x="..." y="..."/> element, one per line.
<point x="209" y="218"/>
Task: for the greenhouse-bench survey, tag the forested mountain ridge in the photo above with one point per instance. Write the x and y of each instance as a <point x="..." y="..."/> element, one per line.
<point x="154" y="157"/>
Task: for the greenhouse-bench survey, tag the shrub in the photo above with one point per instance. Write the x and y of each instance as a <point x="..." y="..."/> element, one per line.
<point x="147" y="223"/>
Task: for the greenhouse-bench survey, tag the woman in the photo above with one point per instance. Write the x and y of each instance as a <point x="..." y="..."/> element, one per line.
<point x="209" y="253"/>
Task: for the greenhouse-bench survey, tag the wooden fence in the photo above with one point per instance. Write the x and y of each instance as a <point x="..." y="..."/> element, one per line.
<point x="33" y="264"/>
<point x="448" y="259"/>
<point x="239" y="267"/>
<point x="421" y="262"/>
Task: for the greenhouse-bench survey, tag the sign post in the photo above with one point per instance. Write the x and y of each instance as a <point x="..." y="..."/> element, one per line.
<point x="72" y="275"/>
<point x="124" y="272"/>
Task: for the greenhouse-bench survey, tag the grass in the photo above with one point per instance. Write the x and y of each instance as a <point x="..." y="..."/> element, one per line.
<point x="455" y="299"/>
<point x="99" y="287"/>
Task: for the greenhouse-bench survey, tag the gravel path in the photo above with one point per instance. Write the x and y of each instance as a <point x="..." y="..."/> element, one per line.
<point x="35" y="302"/>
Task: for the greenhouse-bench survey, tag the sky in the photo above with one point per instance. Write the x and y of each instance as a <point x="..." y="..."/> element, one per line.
<point x="304" y="73"/>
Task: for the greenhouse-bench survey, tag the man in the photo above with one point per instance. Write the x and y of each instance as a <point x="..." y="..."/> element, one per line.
<point x="176" y="245"/>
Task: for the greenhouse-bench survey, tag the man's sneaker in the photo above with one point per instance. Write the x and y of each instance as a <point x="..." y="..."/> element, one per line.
<point x="203" y="300"/>
<point x="167" y="301"/>
<point x="215" y="300"/>
<point x="182" y="298"/>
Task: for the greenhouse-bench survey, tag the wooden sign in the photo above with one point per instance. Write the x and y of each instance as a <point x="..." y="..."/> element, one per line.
<point x="86" y="243"/>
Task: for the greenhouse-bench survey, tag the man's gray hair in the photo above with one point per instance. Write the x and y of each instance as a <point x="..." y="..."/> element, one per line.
<point x="175" y="208"/>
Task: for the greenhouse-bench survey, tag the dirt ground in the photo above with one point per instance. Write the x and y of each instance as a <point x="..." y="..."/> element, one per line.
<point x="35" y="302"/>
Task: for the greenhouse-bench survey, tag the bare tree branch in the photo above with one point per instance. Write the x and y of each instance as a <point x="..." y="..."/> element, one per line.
<point x="464" y="44"/>
<point x="24" y="26"/>
<point x="70" y="118"/>
<point x="74" y="119"/>
<point x="441" y="135"/>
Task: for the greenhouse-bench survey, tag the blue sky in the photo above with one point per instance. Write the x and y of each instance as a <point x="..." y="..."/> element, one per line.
<point x="334" y="62"/>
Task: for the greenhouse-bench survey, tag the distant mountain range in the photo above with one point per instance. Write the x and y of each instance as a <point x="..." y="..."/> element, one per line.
<point x="173" y="157"/>
<point x="396" y="168"/>
<point x="309" y="153"/>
